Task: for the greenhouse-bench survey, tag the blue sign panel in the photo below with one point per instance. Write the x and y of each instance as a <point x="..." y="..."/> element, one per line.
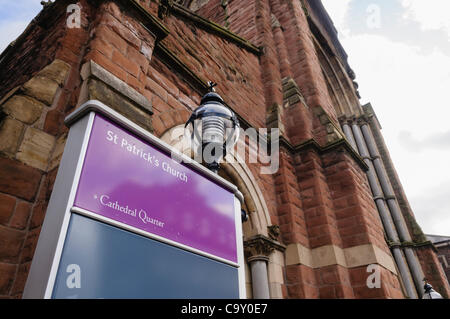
<point x="103" y="261"/>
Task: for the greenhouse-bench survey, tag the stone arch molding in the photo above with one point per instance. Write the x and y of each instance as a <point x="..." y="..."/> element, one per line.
<point x="242" y="177"/>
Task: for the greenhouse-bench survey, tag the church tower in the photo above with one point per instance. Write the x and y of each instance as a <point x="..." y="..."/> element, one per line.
<point x="331" y="221"/>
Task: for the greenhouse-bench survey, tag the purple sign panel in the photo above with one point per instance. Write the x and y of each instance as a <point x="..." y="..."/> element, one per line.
<point x="132" y="182"/>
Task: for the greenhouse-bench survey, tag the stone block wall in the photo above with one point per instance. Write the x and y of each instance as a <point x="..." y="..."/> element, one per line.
<point x="29" y="153"/>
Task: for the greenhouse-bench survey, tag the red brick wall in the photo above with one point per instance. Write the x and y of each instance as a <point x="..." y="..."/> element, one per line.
<point x="213" y="11"/>
<point x="304" y="61"/>
<point x="444" y="252"/>
<point x="213" y="58"/>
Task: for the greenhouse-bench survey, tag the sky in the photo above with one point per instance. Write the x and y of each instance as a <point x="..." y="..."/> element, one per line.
<point x="14" y="18"/>
<point x="400" y="52"/>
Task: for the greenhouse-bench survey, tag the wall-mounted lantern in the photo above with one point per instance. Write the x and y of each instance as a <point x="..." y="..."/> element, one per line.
<point x="214" y="129"/>
<point x="430" y="293"/>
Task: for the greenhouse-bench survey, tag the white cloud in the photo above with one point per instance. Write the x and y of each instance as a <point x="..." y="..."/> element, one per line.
<point x="408" y="92"/>
<point x="432" y="209"/>
<point x="431" y="14"/>
<point x="337" y="10"/>
<point x="14" y="18"/>
<point x="408" y="89"/>
<point x="437" y="141"/>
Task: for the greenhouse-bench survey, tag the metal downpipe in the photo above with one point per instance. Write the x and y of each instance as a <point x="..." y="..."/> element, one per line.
<point x="392" y="203"/>
<point x="384" y="213"/>
<point x="348" y="133"/>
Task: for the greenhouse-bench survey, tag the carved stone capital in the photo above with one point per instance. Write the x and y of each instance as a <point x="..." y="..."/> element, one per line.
<point x="362" y="120"/>
<point x="344" y="120"/>
<point x="260" y="245"/>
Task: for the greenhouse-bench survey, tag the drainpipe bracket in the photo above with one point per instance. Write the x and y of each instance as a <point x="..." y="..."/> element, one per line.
<point x="394" y="244"/>
<point x="406" y="244"/>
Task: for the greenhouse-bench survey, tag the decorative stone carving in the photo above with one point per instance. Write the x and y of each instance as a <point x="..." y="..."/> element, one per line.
<point x="46" y="3"/>
<point x="274" y="232"/>
<point x="165" y="7"/>
<point x="291" y="93"/>
<point x="260" y="245"/>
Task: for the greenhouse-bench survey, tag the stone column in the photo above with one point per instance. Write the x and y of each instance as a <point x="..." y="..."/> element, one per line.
<point x="260" y="281"/>
<point x="257" y="251"/>
<point x="346" y="127"/>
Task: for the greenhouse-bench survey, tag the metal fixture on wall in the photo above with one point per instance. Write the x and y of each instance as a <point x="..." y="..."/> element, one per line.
<point x="244" y="215"/>
<point x="214" y="129"/>
<point x="430" y="293"/>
